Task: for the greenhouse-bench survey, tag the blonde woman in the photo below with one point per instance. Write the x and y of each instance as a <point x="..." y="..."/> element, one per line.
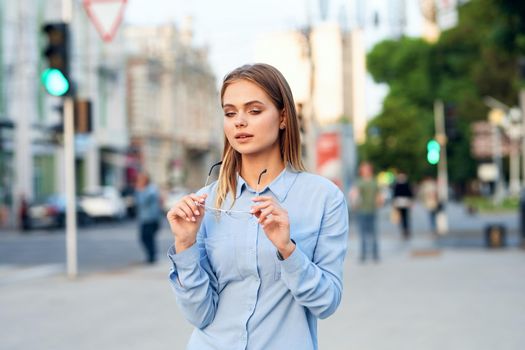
<point x="258" y="254"/>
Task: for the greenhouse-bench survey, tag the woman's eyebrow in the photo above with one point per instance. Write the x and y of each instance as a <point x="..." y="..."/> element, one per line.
<point x="246" y="104"/>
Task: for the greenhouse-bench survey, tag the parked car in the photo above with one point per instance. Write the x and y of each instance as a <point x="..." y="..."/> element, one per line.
<point x="51" y="213"/>
<point x="173" y="196"/>
<point x="103" y="203"/>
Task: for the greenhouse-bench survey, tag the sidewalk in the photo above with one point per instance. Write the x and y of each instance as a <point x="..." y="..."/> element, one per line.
<point x="419" y="297"/>
<point x="465" y="230"/>
<point x="448" y="300"/>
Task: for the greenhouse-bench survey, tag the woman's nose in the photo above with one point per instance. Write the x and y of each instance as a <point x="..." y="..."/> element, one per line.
<point x="240" y="120"/>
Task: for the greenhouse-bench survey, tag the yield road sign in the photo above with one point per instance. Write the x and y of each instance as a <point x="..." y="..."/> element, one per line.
<point x="106" y="15"/>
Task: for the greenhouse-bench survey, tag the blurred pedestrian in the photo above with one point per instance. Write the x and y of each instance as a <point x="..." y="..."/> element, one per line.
<point x="428" y="194"/>
<point x="366" y="198"/>
<point x="23" y="214"/>
<point x="149" y="211"/>
<point x="402" y="201"/>
<point x="258" y="254"/>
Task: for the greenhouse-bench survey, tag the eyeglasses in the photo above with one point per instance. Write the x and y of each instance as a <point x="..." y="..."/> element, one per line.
<point x="235" y="214"/>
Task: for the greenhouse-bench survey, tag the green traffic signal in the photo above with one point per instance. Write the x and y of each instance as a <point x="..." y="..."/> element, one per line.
<point x="433" y="150"/>
<point x="55" y="82"/>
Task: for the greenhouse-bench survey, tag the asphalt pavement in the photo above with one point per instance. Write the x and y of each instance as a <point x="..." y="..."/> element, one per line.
<point x="422" y="295"/>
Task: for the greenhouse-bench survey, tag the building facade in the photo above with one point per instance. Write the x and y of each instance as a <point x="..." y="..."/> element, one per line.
<point x="173" y="106"/>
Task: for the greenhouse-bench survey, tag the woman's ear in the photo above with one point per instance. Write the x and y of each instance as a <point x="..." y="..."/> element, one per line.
<point x="282" y="118"/>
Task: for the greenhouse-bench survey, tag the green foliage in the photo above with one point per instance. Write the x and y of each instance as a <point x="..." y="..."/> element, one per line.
<point x="477" y="58"/>
<point x="405" y="66"/>
<point x="397" y="138"/>
<point x="483" y="204"/>
<point x="509" y="34"/>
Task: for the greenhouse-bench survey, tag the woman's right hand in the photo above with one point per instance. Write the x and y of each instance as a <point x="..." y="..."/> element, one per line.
<point x="185" y="219"/>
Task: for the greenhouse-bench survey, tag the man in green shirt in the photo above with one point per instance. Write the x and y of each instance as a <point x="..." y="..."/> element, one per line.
<point x="365" y="198"/>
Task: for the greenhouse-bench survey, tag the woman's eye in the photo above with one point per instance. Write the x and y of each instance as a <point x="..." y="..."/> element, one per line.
<point x="229" y="114"/>
<point x="255" y="111"/>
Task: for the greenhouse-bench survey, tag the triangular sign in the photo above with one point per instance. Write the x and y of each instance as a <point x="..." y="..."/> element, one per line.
<point x="106" y="15"/>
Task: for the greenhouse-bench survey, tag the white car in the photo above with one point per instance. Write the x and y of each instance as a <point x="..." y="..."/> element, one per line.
<point x="105" y="202"/>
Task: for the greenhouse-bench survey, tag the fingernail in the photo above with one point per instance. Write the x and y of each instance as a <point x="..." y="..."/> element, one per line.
<point x="196" y="212"/>
<point x="193" y="218"/>
<point x="187" y="219"/>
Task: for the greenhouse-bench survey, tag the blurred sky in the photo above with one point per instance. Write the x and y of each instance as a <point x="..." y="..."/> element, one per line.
<point x="230" y="28"/>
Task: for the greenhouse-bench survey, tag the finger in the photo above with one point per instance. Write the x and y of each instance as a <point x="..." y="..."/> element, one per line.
<point x="259" y="207"/>
<point x="270" y="219"/>
<point x="262" y="198"/>
<point x="176" y="214"/>
<point x="186" y="210"/>
<point x="190" y="202"/>
<point x="263" y="214"/>
<point x="171" y="215"/>
<point x="197" y="198"/>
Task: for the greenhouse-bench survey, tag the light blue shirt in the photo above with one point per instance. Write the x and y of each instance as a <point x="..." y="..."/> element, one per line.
<point x="148" y="205"/>
<point x="232" y="287"/>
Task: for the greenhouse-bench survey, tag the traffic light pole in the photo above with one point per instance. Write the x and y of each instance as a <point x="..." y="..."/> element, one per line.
<point x="69" y="155"/>
<point x="442" y="176"/>
<point x="71" y="210"/>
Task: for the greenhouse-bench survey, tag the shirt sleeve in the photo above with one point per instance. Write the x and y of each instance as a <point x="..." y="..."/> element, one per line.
<point x="194" y="283"/>
<point x="317" y="284"/>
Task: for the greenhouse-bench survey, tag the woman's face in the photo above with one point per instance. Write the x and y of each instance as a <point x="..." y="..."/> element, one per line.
<point x="251" y="120"/>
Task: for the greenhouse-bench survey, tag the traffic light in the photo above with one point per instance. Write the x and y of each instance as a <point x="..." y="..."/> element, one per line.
<point x="56" y="78"/>
<point x="433" y="150"/>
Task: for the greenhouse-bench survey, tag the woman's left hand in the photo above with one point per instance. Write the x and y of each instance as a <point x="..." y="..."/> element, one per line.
<point x="275" y="223"/>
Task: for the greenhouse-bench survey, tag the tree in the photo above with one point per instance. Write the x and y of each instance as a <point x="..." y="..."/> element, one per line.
<point x="397" y="136"/>
<point x="478" y="57"/>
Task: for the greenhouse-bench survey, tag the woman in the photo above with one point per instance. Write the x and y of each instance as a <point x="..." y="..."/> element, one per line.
<point x="258" y="255"/>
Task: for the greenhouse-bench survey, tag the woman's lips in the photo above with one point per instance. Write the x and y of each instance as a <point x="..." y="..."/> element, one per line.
<point x="243" y="137"/>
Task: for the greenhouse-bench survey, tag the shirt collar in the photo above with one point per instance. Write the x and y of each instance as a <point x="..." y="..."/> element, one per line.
<point x="280" y="186"/>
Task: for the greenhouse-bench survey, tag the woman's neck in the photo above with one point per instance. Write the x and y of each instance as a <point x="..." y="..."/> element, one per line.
<point x="252" y="167"/>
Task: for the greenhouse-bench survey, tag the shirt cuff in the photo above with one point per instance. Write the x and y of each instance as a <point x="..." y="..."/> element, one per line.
<point x="294" y="262"/>
<point x="185" y="259"/>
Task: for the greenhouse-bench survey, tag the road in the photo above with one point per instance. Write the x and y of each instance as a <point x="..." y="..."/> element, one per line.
<point x="106" y="245"/>
<point x="101" y="246"/>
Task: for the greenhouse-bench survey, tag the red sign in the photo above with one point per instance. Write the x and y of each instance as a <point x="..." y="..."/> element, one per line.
<point x="329" y="162"/>
<point x="106" y="15"/>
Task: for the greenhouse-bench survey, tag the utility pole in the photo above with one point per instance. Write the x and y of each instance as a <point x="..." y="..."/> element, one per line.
<point x="311" y="125"/>
<point x="522" y="106"/>
<point x="442" y="176"/>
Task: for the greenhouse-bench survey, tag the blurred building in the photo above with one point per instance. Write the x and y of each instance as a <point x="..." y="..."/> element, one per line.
<point x="173" y="106"/>
<point x="31" y="150"/>
<point x="325" y="67"/>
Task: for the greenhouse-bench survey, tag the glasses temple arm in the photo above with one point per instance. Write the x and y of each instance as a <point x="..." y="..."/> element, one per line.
<point x="209" y="172"/>
<point x="259" y="180"/>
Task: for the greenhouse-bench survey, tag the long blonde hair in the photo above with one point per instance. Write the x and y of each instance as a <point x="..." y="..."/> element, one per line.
<point x="273" y="83"/>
